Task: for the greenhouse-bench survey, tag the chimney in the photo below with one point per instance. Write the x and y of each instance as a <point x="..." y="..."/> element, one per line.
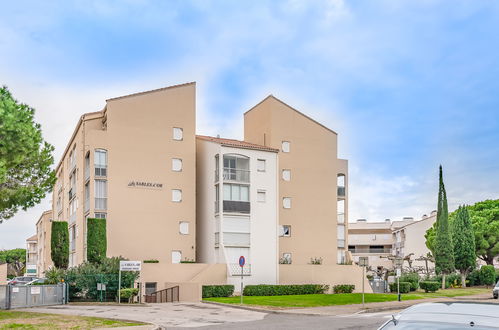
<point x="387" y="220"/>
<point x="361" y="220"/>
<point x="433" y="213"/>
<point x="408" y="219"/>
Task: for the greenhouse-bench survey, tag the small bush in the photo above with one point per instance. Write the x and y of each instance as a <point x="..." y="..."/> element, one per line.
<point x="473" y="278"/>
<point x="210" y="291"/>
<point x="282" y="290"/>
<point x="438" y="279"/>
<point x="412" y="278"/>
<point x="316" y="261"/>
<point x="129" y="293"/>
<point x="453" y="280"/>
<point x="343" y="288"/>
<point x="487" y="275"/>
<point x="429" y="286"/>
<point x="151" y="261"/>
<point x="405" y="287"/>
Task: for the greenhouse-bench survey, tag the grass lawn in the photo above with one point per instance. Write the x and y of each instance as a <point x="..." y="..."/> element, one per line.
<point x="27" y="320"/>
<point x="313" y="300"/>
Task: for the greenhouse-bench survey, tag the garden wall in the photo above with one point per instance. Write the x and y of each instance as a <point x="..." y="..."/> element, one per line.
<point x="3" y="274"/>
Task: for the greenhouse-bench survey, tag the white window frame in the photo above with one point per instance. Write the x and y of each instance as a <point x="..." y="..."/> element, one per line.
<point x="174" y="256"/>
<point x="286" y="202"/>
<point x="283" y="231"/>
<point x="261" y="165"/>
<point x="177" y="164"/>
<point x="286" y="146"/>
<point x="176" y="198"/>
<point x="288" y="256"/>
<point x="183" y="227"/>
<point x="259" y="194"/>
<point x="177" y="134"/>
<point x="286" y="175"/>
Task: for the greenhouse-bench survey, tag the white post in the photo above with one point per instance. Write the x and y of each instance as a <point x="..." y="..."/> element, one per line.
<point x="363" y="270"/>
<point x="119" y="287"/>
<point x="242" y="285"/>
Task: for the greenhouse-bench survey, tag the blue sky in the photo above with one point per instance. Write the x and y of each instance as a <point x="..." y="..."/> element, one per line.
<point x="408" y="85"/>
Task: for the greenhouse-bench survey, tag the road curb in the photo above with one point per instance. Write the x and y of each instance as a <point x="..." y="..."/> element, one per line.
<point x="256" y="309"/>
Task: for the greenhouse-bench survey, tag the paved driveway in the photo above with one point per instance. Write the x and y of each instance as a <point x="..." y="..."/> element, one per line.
<point x="165" y="315"/>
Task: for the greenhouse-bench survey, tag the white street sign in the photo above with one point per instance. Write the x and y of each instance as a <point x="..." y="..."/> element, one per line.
<point x="399" y="272"/>
<point x="130" y="266"/>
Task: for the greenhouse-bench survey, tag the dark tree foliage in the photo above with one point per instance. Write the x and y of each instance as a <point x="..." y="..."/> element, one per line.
<point x="463" y="239"/>
<point x="96" y="240"/>
<point x="60" y="244"/>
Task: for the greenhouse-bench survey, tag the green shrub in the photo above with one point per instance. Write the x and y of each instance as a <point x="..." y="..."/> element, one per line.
<point x="438" y="279"/>
<point x="96" y="240"/>
<point x="497" y="275"/>
<point x="54" y="275"/>
<point x="487" y="275"/>
<point x="343" y="288"/>
<point x="59" y="244"/>
<point x="429" y="286"/>
<point x="129" y="293"/>
<point x="217" y="291"/>
<point x="412" y="278"/>
<point x="453" y="280"/>
<point x="151" y="261"/>
<point x="405" y="287"/>
<point x="281" y="290"/>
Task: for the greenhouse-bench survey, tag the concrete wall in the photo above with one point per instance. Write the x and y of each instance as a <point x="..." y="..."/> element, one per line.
<point x="3" y="274"/>
<point x="324" y="274"/>
<point x="415" y="241"/>
<point x="44" y="234"/>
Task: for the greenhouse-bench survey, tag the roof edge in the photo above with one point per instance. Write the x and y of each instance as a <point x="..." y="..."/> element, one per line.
<point x="227" y="143"/>
<point x="151" y="91"/>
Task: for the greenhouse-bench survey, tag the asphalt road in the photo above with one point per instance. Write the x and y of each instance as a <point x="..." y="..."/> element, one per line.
<point x="285" y="321"/>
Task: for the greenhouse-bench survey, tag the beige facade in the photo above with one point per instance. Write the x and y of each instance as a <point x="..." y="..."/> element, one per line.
<point x="31" y="256"/>
<point x="308" y="176"/>
<point x="43" y="234"/>
<point x="3" y="274"/>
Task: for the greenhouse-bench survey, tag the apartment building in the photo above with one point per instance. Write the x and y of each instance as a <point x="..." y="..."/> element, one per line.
<point x="43" y="235"/>
<point x="197" y="203"/>
<point x="312" y="205"/>
<point x="381" y="241"/>
<point x="31" y="256"/>
<point x="237" y="208"/>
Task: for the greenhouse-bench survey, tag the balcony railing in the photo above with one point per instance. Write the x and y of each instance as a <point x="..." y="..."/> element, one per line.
<point x="341" y="191"/>
<point x="371" y="250"/>
<point x="217" y="206"/>
<point x="237" y="207"/>
<point x="235" y="269"/>
<point x="341" y="243"/>
<point x="235" y="174"/>
<point x="341" y="217"/>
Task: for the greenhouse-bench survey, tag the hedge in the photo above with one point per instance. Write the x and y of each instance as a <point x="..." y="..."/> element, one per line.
<point x="59" y="244"/>
<point x="343" y="288"/>
<point x="488" y="275"/>
<point x="429" y="286"/>
<point x="412" y="278"/>
<point x="282" y="290"/>
<point x="151" y="261"/>
<point x="96" y="240"/>
<point x="128" y="293"/>
<point x="217" y="291"/>
<point x="405" y="287"/>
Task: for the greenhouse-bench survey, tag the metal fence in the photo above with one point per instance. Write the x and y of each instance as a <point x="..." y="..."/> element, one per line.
<point x="21" y="296"/>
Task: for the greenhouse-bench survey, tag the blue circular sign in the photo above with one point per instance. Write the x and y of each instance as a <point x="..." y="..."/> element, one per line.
<point x="242" y="261"/>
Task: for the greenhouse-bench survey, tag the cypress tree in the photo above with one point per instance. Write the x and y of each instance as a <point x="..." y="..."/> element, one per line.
<point x="60" y="244"/>
<point x="444" y="251"/>
<point x="96" y="240"/>
<point x="463" y="238"/>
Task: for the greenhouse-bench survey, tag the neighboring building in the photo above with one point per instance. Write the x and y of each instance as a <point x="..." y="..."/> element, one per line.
<point x="31" y="256"/>
<point x="381" y="241"/>
<point x="196" y="204"/>
<point x="237" y="208"/>
<point x="312" y="206"/>
<point x="43" y="234"/>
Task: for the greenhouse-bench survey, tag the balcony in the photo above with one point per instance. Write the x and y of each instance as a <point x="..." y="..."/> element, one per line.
<point x="370" y="250"/>
<point x="236" y="175"/>
<point x="235" y="270"/>
<point x="236" y="239"/>
<point x="71" y="193"/>
<point x="341" y="217"/>
<point x="72" y="218"/>
<point x="72" y="245"/>
<point x="341" y="191"/>
<point x="236" y="207"/>
<point x="217" y="206"/>
<point x="341" y="243"/>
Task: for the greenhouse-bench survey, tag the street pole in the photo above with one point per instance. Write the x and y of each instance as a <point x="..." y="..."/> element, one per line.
<point x="242" y="285"/>
<point x="398" y="287"/>
<point x="119" y="287"/>
<point x="363" y="270"/>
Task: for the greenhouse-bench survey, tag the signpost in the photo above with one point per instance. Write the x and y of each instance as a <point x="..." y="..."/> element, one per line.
<point x="242" y="261"/>
<point x="363" y="262"/>
<point x="127" y="266"/>
<point x="398" y="264"/>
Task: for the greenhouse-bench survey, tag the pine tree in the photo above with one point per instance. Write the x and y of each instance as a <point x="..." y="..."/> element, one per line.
<point x="444" y="252"/>
<point x="463" y="239"/>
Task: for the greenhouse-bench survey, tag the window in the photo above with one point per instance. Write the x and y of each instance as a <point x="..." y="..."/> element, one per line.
<point x="261" y="196"/>
<point x="341" y="236"/>
<point x="286" y="175"/>
<point x="178" y="134"/>
<point x="100" y="162"/>
<point x="176" y="164"/>
<point x="87" y="166"/>
<point x="176" y="195"/>
<point x="341" y="257"/>
<point x="236" y="192"/>
<point x="286" y="258"/>
<point x="286" y="146"/>
<point x="286" y="202"/>
<point x="150" y="288"/>
<point x="184" y="227"/>
<point x="236" y="168"/>
<point x="87" y="196"/>
<point x="100" y="194"/>
<point x="72" y="236"/>
<point x="260" y="165"/>
<point x="176" y="257"/>
<point x="100" y="215"/>
<point x="285" y="231"/>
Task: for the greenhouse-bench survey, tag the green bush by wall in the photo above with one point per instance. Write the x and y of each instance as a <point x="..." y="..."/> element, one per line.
<point x="412" y="278"/>
<point x="59" y="244"/>
<point x="281" y="290"/>
<point x="343" y="288"/>
<point x="96" y="240"/>
<point x="487" y="275"/>
<point x="429" y="286"/>
<point x="210" y="291"/>
<point x="405" y="287"/>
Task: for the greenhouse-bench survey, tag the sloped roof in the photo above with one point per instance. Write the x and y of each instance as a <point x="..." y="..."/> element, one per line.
<point x="152" y="91"/>
<point x="236" y="143"/>
<point x="32" y="238"/>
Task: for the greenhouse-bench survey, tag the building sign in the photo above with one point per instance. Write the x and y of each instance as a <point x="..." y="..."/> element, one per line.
<point x="35" y="289"/>
<point x="130" y="266"/>
<point x="146" y="185"/>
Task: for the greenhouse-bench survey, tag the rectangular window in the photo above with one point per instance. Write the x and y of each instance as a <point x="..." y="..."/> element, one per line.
<point x="261" y="196"/>
<point x="87" y="166"/>
<point x="150" y="288"/>
<point x="176" y="257"/>
<point x="286" y="146"/>
<point x="286" y="175"/>
<point x="100" y="215"/>
<point x="184" y="227"/>
<point x="87" y="196"/>
<point x="100" y="194"/>
<point x="286" y="202"/>
<point x="260" y="164"/>
<point x="176" y="195"/>
<point x="176" y="164"/>
<point x="236" y="192"/>
<point x="178" y="133"/>
<point x="285" y="231"/>
<point x="286" y="258"/>
<point x="100" y="162"/>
